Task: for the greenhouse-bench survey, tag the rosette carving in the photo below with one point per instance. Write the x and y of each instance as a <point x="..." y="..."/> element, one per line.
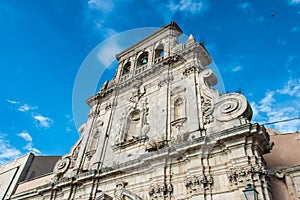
<point x="62" y="165"/>
<point x="232" y="106"/>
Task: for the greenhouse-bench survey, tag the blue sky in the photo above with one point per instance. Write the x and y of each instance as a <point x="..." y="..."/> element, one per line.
<point x="255" y="45"/>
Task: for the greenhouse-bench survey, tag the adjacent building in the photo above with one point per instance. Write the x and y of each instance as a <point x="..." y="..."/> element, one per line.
<point x="24" y="169"/>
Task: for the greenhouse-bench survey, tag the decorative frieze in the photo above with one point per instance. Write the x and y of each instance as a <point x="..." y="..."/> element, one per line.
<point x="190" y="70"/>
<point x="245" y="174"/>
<point x="161" y="191"/>
<point x="197" y="184"/>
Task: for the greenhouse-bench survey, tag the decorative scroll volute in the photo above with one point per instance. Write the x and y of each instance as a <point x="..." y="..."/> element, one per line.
<point x="220" y="107"/>
<point x="232" y="106"/>
<point x="61" y="167"/>
<point x="207" y="81"/>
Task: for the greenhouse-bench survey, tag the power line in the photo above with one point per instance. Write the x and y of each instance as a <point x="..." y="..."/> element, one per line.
<point x="285" y="120"/>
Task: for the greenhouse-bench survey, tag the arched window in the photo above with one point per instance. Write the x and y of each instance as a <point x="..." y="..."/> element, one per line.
<point x="159" y="52"/>
<point x="133" y="124"/>
<point x="179" y="109"/>
<point x="143" y="59"/>
<point x="126" y="69"/>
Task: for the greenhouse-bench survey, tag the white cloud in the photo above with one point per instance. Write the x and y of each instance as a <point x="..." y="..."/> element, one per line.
<point x="68" y="129"/>
<point x="295" y="29"/>
<point x="25" y="135"/>
<point x="70" y="123"/>
<point x="261" y="19"/>
<point x="191" y="6"/>
<point x="283" y="113"/>
<point x="268" y="110"/>
<point x="267" y="101"/>
<point x="236" y="69"/>
<point x="245" y="7"/>
<point x="106" y="53"/>
<point x="22" y="108"/>
<point x="292" y="88"/>
<point x="43" y="121"/>
<point x="25" y="108"/>
<point x="281" y="42"/>
<point x="29" y="146"/>
<point x="294" y="2"/>
<point x="290" y="61"/>
<point x="103" y="5"/>
<point x="110" y="32"/>
<point x="12" y="101"/>
<point x="107" y="32"/>
<point x="7" y="152"/>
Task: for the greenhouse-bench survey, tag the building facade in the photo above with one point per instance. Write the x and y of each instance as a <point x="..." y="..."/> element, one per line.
<point x="284" y="165"/>
<point x="158" y="130"/>
<point x="24" y="169"/>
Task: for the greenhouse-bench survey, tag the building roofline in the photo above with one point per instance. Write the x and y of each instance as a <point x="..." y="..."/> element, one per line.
<point x="171" y="25"/>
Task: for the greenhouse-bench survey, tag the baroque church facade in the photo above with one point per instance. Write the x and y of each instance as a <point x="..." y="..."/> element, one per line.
<point x="158" y="130"/>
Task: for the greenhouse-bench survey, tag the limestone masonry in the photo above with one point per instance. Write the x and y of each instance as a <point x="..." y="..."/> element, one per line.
<point x="158" y="130"/>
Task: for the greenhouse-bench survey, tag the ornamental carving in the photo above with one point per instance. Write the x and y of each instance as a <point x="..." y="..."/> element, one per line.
<point x="81" y="128"/>
<point x="118" y="195"/>
<point x="137" y="94"/>
<point x="207" y="109"/>
<point x="232" y="106"/>
<point x="179" y="138"/>
<point x="61" y="167"/>
<point x="102" y="196"/>
<point x="190" y="70"/>
<point x="244" y="174"/>
<point x="122" y="194"/>
<point x="220" y="108"/>
<point x="165" y="80"/>
<point x="156" y="143"/>
<point x="196" y="184"/>
<point x="110" y="104"/>
<point x="99" y="122"/>
<point x="133" y="127"/>
<point x="94" y="112"/>
<point x="161" y="191"/>
<point x="74" y="155"/>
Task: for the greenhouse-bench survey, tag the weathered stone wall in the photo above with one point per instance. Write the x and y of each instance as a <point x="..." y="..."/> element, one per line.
<point x="159" y="130"/>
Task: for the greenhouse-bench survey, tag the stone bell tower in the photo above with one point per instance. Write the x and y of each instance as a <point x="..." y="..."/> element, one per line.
<point x="158" y="130"/>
